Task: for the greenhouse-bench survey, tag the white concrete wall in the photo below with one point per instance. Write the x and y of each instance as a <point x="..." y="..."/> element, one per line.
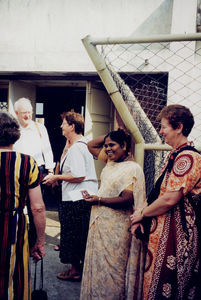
<point x="184" y="16"/>
<point x="45" y="35"/>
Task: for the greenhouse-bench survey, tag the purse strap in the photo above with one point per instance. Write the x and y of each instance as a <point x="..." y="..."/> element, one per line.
<point x="156" y="189"/>
<point x="36" y="124"/>
<point x="153" y="195"/>
<point x="61" y="166"/>
<point x="41" y="274"/>
<point x="38" y="129"/>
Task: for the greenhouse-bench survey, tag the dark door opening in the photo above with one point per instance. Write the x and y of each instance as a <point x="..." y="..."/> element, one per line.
<point x="3" y="98"/>
<point x="57" y="100"/>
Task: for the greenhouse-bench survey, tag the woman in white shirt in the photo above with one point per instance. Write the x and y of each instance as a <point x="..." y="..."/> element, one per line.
<point x="77" y="173"/>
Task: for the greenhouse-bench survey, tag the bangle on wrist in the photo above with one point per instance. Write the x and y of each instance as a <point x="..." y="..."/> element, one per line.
<point x="99" y="200"/>
<point x="142" y="212"/>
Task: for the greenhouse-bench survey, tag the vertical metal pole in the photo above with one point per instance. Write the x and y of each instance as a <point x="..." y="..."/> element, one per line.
<point x="117" y="99"/>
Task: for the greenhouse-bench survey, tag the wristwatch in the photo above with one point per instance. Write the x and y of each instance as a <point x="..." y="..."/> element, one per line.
<point x="50" y="171"/>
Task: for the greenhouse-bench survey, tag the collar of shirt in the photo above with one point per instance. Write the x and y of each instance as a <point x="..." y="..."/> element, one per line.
<point x="31" y="126"/>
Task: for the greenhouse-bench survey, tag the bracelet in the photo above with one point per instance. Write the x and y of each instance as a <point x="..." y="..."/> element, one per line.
<point x="142" y="212"/>
<point x="99" y="200"/>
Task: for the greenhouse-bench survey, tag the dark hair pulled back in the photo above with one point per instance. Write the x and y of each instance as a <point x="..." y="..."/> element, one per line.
<point x="121" y="137"/>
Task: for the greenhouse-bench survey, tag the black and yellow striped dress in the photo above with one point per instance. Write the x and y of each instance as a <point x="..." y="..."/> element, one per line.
<point x="18" y="173"/>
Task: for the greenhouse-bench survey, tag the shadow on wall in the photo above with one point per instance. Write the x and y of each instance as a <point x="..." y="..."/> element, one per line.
<point x="159" y="22"/>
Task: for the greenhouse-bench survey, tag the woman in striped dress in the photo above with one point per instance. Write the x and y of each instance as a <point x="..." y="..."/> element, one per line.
<point x="19" y="177"/>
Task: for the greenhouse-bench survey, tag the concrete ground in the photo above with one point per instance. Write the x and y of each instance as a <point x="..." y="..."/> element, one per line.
<point x="56" y="289"/>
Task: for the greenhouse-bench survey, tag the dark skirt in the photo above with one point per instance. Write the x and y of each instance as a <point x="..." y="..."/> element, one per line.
<point x="74" y="218"/>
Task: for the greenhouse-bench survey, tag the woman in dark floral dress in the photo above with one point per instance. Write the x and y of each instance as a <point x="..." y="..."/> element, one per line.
<point x="173" y="258"/>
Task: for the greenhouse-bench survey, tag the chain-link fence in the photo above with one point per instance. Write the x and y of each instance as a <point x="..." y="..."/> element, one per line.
<point x="159" y="74"/>
<point x="150" y="74"/>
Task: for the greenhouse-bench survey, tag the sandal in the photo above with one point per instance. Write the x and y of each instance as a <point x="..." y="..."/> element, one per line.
<point x="57" y="248"/>
<point x="69" y="276"/>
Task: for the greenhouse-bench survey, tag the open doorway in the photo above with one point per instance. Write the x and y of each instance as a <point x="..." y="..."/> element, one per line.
<point x="3" y="97"/>
<point x="52" y="97"/>
<point x="55" y="101"/>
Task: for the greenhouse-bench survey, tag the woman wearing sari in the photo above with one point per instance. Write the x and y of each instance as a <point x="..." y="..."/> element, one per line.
<point x="111" y="270"/>
<point x="173" y="259"/>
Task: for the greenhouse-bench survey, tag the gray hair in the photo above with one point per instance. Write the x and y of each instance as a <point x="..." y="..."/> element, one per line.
<point x="22" y="101"/>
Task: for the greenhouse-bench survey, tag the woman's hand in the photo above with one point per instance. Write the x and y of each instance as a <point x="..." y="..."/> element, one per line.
<point x="134" y="227"/>
<point x="55" y="184"/>
<point x="38" y="211"/>
<point x="89" y="198"/>
<point x="136" y="217"/>
<point x="124" y="200"/>
<point x="37" y="251"/>
<point x="49" y="179"/>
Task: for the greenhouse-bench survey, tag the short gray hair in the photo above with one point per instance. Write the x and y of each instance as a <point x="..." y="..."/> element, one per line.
<point x="22" y="101"/>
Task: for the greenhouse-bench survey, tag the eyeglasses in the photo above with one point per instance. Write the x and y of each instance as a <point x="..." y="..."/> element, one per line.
<point x="25" y="113"/>
<point x="65" y="123"/>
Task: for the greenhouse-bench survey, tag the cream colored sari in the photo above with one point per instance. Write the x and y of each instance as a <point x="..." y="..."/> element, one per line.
<point x="111" y="270"/>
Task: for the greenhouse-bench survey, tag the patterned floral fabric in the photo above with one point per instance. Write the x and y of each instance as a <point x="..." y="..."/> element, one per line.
<point x="110" y="270"/>
<point x="173" y="250"/>
<point x="74" y="219"/>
